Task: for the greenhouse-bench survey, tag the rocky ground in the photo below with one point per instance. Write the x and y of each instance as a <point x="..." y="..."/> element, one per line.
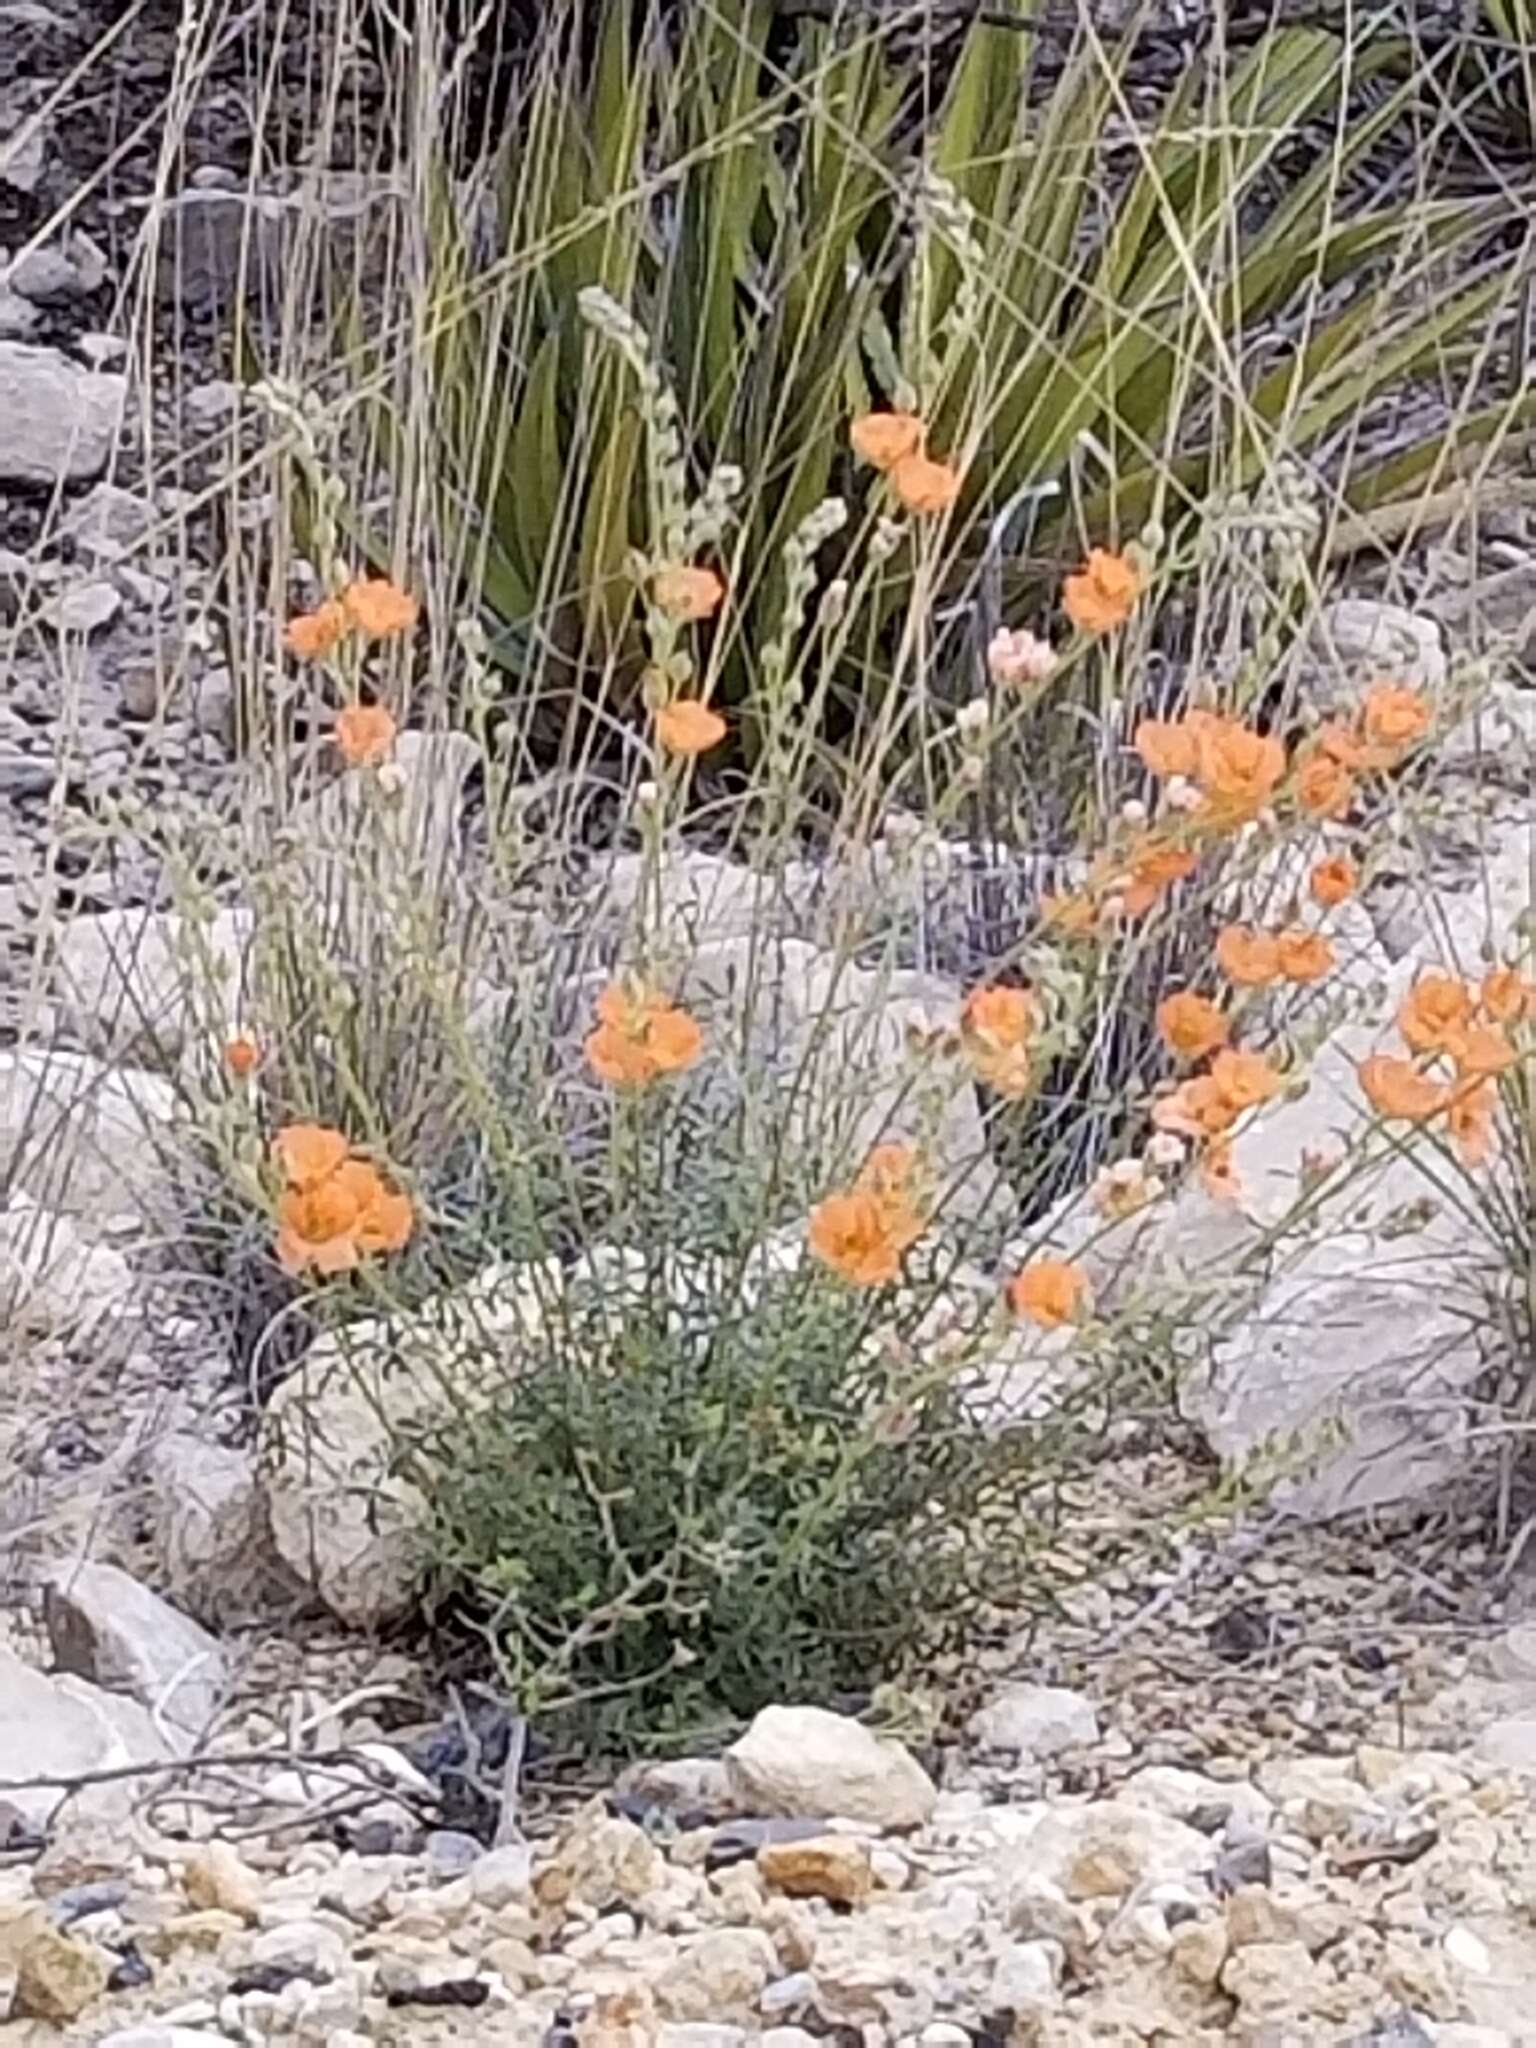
<point x="1271" y="1786"/>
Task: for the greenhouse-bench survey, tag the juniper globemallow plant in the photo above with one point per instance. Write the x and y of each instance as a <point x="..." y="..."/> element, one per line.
<point x="640" y="1036"/>
<point x="686" y="727"/>
<point x="1101" y="596"/>
<point x="1050" y="1293"/>
<point x="365" y="734"/>
<point x="336" y="1208"/>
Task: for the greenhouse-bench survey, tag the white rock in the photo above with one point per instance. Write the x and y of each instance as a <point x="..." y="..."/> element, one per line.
<point x="1036" y="1721"/>
<point x="699" y="2034"/>
<point x="1358" y="640"/>
<point x="104" y="1626"/>
<point x="1025" y="1981"/>
<point x="502" y="1875"/>
<point x="1179" y="1793"/>
<point x="86" y="1139"/>
<point x="153" y="2036"/>
<point x="1321" y="1793"/>
<point x="1509" y="1743"/>
<point x="61" y="422"/>
<point x="806" y="1761"/>
<point x="718" y="1976"/>
<point x="1109" y="1848"/>
<point x="82" y="610"/>
<point x="108" y="521"/>
<point x="1467" y="1952"/>
<point x="53" y="1279"/>
<point x="150" y="978"/>
<point x="209" y="1527"/>
<point x="61" y="1727"/>
<point x="342" y="1518"/>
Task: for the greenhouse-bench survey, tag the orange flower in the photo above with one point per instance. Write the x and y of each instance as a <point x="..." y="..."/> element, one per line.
<point x="1238" y="769"/>
<point x="1324" y="786"/>
<point x="242" y="1056"/>
<point x="1469" y="1120"/>
<point x="1167" y="748"/>
<point x="851" y="1233"/>
<point x="1153" y="870"/>
<point x="996" y="1026"/>
<point x="1250" y="958"/>
<point x="384" y="1217"/>
<point x="1507" y="995"/>
<point x="317" y="1226"/>
<point x="1393" y="717"/>
<point x="365" y="733"/>
<point x="1436" y="1010"/>
<point x="689" y="727"/>
<point x="1103" y="593"/>
<point x="1333" y="881"/>
<point x="1191" y="1025"/>
<point x="886" y="438"/>
<point x="1195" y="1109"/>
<point x="1480" y="1049"/>
<point x="687" y="593"/>
<point x="1218" y="1174"/>
<point x="889" y="1175"/>
<point x="312" y="635"/>
<point x="639" y="1037"/>
<point x="1050" y="1292"/>
<point x="1242" y="1080"/>
<point x="309" y="1153"/>
<point x="1396" y="1088"/>
<point x="1304" y="956"/>
<point x="341" y="1219"/>
<point x="924" y="485"/>
<point x="379" y="608"/>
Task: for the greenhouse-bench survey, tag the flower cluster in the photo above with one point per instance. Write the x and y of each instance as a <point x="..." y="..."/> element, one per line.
<point x="865" y="1231"/>
<point x="1206" y="1107"/>
<point x="640" y="1036"/>
<point x="371" y="606"/>
<point x="895" y="443"/>
<point x="997" y="1029"/>
<point x="1446" y="1022"/>
<point x="335" y="1207"/>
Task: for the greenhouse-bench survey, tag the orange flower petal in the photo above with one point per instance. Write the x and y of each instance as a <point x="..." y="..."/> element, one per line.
<point x="379" y="608"/>
<point x="1396" y="1088"/>
<point x="886" y="438"/>
<point x="1242" y="1080"/>
<point x="309" y="1153"/>
<point x="1394" y="717"/>
<point x="1304" y="956"/>
<point x="1050" y="1292"/>
<point x="1480" y="1049"/>
<point x="925" y="486"/>
<point x="1434" y="1012"/>
<point x="1250" y="958"/>
<point x="851" y="1233"/>
<point x="1000" y="1015"/>
<point x="1166" y="748"/>
<point x="242" y="1056"/>
<point x="1506" y="995"/>
<point x="1103" y="593"/>
<point x="688" y="727"/>
<point x="365" y="734"/>
<point x="1191" y="1025"/>
<point x="683" y="592"/>
<point x="312" y="635"/>
<point x="1333" y="881"/>
<point x="1324" y="787"/>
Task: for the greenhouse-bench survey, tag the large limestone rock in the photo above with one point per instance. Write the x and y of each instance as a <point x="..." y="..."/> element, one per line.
<point x="212" y="1539"/>
<point x="55" y="1280"/>
<point x="88" y="1140"/>
<point x="60" y="1727"/>
<point x="345" y="1518"/>
<point x="149" y="979"/>
<point x="806" y="1761"/>
<point x="1360" y="640"/>
<point x="104" y="1626"/>
<point x="61" y="422"/>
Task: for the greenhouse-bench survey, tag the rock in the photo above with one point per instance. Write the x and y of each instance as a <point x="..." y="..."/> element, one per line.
<point x="208" y="1524"/>
<point x="1110" y="1847"/>
<point x="1320" y="1793"/>
<point x="88" y="1140"/>
<point x="216" y="1877"/>
<point x="214" y="245"/>
<point x="104" y="1626"/>
<point x="1509" y="1744"/>
<point x="829" y="1867"/>
<point x="1498" y="738"/>
<point x="56" y="1975"/>
<point x="83" y="609"/>
<point x="450" y="1854"/>
<point x="153" y="2036"/>
<point x="1275" y="1980"/>
<point x="344" y="1518"/>
<point x="700" y="2034"/>
<point x="1357" y="641"/>
<point x="718" y="1977"/>
<point x="502" y="1876"/>
<point x="73" y="269"/>
<point x="1036" y="1721"/>
<point x="25" y="774"/>
<point x="62" y="422"/>
<point x="108" y="522"/>
<point x="804" y="1760"/>
<point x="603" y="1862"/>
<point x="63" y="1727"/>
<point x="151" y="979"/>
<point x="53" y="1279"/>
<point x="1024" y="1985"/>
<point x="18" y="316"/>
<point x="308" y="1946"/>
<point x="1199" y="1951"/>
<point x="693" y="1785"/>
<point x="1184" y="1794"/>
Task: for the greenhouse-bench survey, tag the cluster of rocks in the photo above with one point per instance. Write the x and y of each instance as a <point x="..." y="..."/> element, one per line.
<point x="815" y="1884"/>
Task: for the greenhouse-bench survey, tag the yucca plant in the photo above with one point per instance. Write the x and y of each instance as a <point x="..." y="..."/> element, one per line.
<point x="1109" y="320"/>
